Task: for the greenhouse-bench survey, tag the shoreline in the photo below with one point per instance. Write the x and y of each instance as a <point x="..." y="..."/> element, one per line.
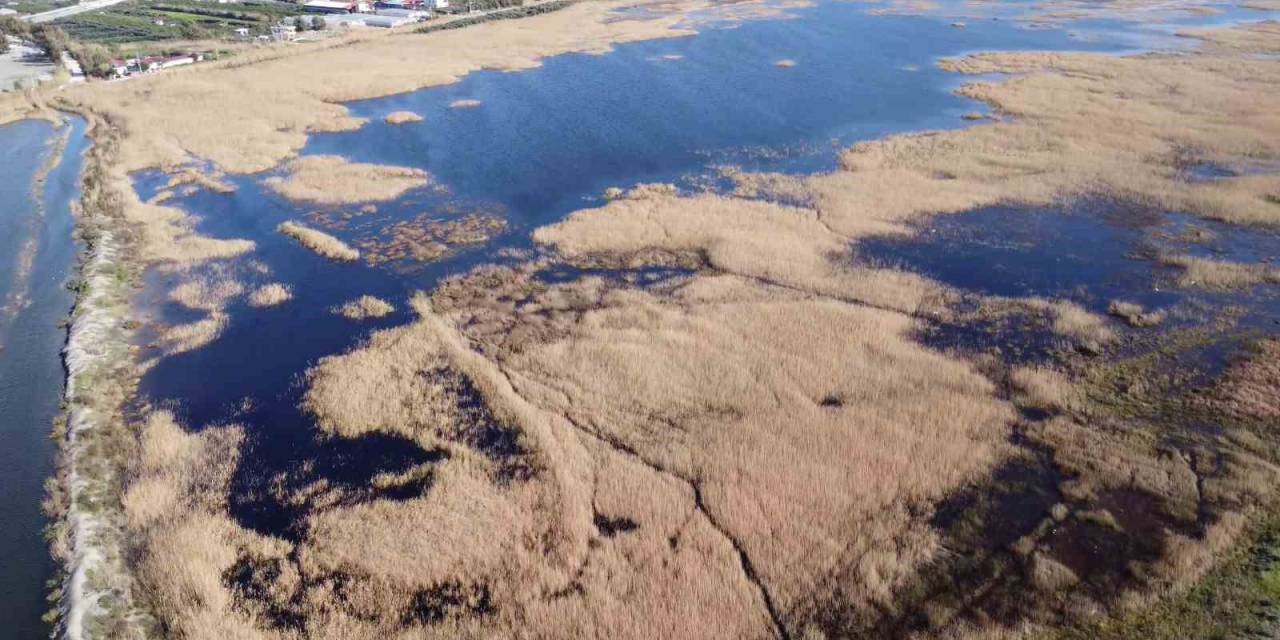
<point x="86" y="532"/>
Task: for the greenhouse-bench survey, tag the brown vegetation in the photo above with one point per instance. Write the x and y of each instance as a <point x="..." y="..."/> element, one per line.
<point x="427" y="238"/>
<point x="402" y="117"/>
<point x="184" y="542"/>
<point x="1251" y="388"/>
<point x="319" y="242"/>
<point x="214" y="183"/>
<point x="1041" y="388"/>
<point x="365" y="307"/>
<point x="334" y="180"/>
<point x="694" y="415"/>
<point x="1208" y="273"/>
<point x="270" y="295"/>
<point x="1135" y="315"/>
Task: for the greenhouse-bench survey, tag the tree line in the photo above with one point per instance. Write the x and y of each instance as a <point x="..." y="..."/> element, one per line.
<point x="93" y="58"/>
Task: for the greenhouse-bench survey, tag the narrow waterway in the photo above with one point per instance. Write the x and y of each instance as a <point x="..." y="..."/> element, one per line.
<point x="39" y="182"/>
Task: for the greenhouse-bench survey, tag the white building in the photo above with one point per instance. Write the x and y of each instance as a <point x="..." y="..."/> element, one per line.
<point x="284" y="33"/>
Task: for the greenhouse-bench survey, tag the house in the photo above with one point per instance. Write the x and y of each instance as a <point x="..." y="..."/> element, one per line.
<point x="399" y="5"/>
<point x="242" y="33"/>
<point x="406" y="14"/>
<point x="329" y="6"/>
<point x="387" y="22"/>
<point x="284" y="33"/>
<point x="120" y="68"/>
<point x="179" y="60"/>
<point x="438" y="5"/>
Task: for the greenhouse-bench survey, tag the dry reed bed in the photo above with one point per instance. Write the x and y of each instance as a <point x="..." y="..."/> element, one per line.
<point x="364" y="308"/>
<point x="402" y="117"/>
<point x="1208" y="273"/>
<point x="319" y="242"/>
<point x="270" y="295"/>
<point x="334" y="180"/>
<point x="1251" y="388"/>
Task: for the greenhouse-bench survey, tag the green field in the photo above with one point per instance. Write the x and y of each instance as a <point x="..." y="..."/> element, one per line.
<point x="136" y="21"/>
<point x="36" y="6"/>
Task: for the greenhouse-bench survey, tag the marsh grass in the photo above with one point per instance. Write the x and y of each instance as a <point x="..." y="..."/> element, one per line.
<point x="319" y="242"/>
<point x="1251" y="388"/>
<point x="270" y="295"/>
<point x="334" y="180"/>
<point x="1041" y="388"/>
<point x="1135" y="315"/>
<point x="427" y="238"/>
<point x="364" y="308"/>
<point x="1208" y="273"/>
<point x="402" y="117"/>
<point x="206" y="293"/>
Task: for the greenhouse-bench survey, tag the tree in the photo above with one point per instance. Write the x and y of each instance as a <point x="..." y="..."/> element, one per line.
<point x="52" y="40"/>
<point x="93" y="59"/>
<point x="300" y="23"/>
<point x="15" y="27"/>
<point x="4" y="41"/>
<point x="318" y="24"/>
<point x="192" y="31"/>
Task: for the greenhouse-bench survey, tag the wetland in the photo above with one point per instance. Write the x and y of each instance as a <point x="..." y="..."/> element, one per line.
<point x="734" y="320"/>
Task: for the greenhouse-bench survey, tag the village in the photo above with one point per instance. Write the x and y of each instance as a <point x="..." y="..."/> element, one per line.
<point x="114" y="40"/>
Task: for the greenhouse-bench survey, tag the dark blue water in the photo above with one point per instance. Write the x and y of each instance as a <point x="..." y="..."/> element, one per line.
<point x="543" y="143"/>
<point x="549" y="141"/>
<point x="31" y="373"/>
<point x="1090" y="253"/>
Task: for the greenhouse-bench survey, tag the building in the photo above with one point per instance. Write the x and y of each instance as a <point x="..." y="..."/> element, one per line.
<point x="149" y="64"/>
<point x="284" y="33"/>
<point x="329" y="6"/>
<point x="407" y="14"/>
<point x="387" y="22"/>
<point x="399" y="5"/>
<point x="242" y="33"/>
